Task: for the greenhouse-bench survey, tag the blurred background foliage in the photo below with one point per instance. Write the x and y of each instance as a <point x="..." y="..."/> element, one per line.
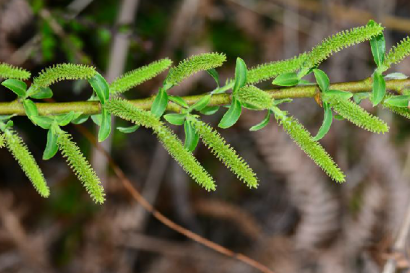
<point x="296" y="221"/>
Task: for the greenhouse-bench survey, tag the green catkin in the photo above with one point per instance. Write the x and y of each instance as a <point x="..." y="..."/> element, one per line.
<point x="397" y="53"/>
<point x="171" y="142"/>
<point x="357" y="115"/>
<point x="80" y="166"/>
<point x="193" y="65"/>
<point x="255" y="97"/>
<point x="26" y="161"/>
<point x="136" y="77"/>
<point x="62" y="72"/>
<point x="270" y="70"/>
<point x="2" y="141"/>
<point x="340" y="41"/>
<point x="317" y="55"/>
<point x="11" y="72"/>
<point x="311" y="147"/>
<point x="226" y="154"/>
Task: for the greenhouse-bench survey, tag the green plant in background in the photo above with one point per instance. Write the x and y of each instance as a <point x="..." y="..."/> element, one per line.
<point x="237" y="93"/>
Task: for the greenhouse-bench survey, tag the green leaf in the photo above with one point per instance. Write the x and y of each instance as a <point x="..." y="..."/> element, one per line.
<point x="250" y="106"/>
<point x="105" y="128"/>
<point x="280" y="101"/>
<point x="304" y="71"/>
<point x="228" y="85"/>
<point x="96" y="119"/>
<point x="51" y="146"/>
<point x="81" y="119"/>
<point x="358" y="97"/>
<point x="240" y="75"/>
<point x="214" y="74"/>
<point x="43" y="93"/>
<point x="338" y="117"/>
<point x="5" y="117"/>
<point x="398" y="101"/>
<point x="128" y="130"/>
<point x="178" y="100"/>
<point x="17" y="86"/>
<point x="322" y="79"/>
<point x="305" y="82"/>
<point x="100" y="87"/>
<point x="286" y="79"/>
<point x="378" y="47"/>
<point x="209" y="110"/>
<point x="327" y="122"/>
<point x="30" y="108"/>
<point x="8" y="125"/>
<point x="395" y="76"/>
<point x="42" y="121"/>
<point x="202" y="103"/>
<point x="160" y="103"/>
<point x="191" y="137"/>
<point x="176" y="119"/>
<point x="65" y="119"/>
<point x="379" y="89"/>
<point x="262" y="124"/>
<point x="341" y="94"/>
<point x="232" y="115"/>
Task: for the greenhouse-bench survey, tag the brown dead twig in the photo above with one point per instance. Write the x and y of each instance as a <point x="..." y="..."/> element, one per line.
<point x="136" y="195"/>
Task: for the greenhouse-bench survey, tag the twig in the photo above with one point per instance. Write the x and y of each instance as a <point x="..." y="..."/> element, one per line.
<point x="136" y="195"/>
<point x="92" y="107"/>
<point x="152" y="184"/>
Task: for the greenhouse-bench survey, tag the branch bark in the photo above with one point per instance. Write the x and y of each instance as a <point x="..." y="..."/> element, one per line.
<point x="92" y="107"/>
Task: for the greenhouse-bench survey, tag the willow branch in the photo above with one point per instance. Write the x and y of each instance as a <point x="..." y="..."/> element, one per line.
<point x="93" y="107"/>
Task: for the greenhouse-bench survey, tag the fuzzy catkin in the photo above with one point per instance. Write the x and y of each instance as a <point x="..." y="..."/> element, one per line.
<point x="171" y="142"/>
<point x="311" y="147"/>
<point x="2" y="141"/>
<point x="193" y="65"/>
<point x="62" y="72"/>
<point x="27" y="162"/>
<point x="254" y="96"/>
<point x="11" y="72"/>
<point x="226" y="154"/>
<point x="340" y="41"/>
<point x="357" y="115"/>
<point x="397" y="53"/>
<point x="317" y="55"/>
<point x="136" y="77"/>
<point x="80" y="166"/>
<point x="270" y="70"/>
